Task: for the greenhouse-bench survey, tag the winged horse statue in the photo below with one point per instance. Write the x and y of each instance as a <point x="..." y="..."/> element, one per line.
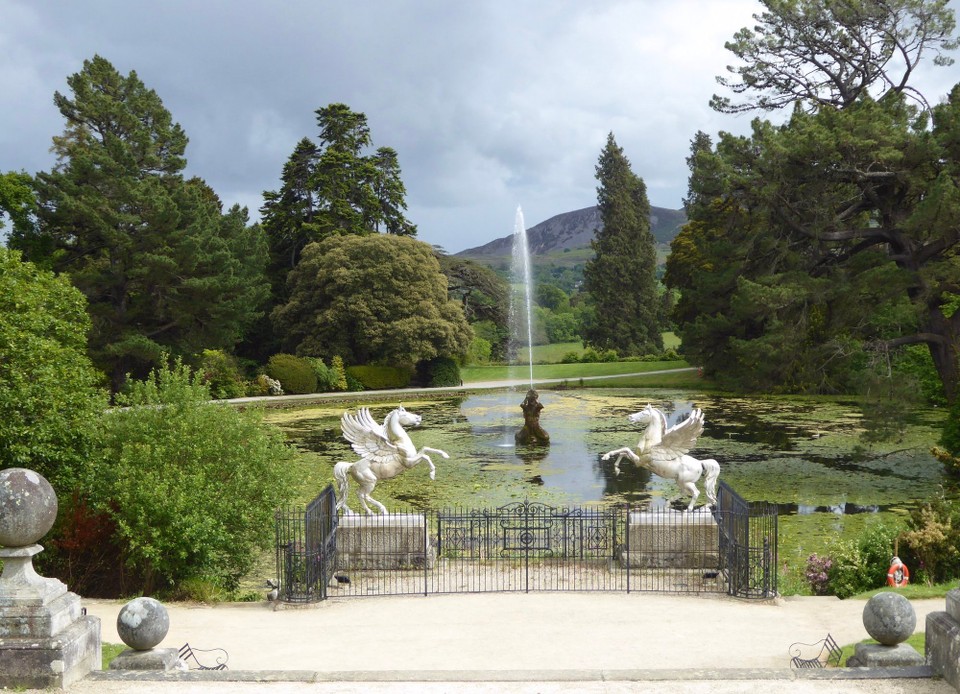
<point x="385" y="451"/>
<point x="663" y="451"/>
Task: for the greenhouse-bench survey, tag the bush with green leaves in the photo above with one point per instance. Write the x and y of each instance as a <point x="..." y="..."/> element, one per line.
<point x="221" y="373"/>
<point x="50" y="395"/>
<point x="862" y="565"/>
<point x="439" y="372"/>
<point x="381" y="377"/>
<point x="932" y="541"/>
<point x="191" y="485"/>
<point x="295" y="374"/>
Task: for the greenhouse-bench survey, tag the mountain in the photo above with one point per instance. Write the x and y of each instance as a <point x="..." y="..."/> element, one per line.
<point x="575" y="229"/>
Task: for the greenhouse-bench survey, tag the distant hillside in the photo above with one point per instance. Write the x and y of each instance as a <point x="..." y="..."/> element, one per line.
<point x="574" y="230"/>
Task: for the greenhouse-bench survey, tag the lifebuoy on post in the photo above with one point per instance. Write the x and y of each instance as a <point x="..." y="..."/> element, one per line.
<point x="898" y="575"/>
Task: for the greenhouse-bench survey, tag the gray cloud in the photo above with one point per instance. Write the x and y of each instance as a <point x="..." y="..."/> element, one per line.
<point x="490" y="104"/>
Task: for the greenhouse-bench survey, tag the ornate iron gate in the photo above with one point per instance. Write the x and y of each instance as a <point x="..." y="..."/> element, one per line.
<point x="307" y="548"/>
<point x="529" y="546"/>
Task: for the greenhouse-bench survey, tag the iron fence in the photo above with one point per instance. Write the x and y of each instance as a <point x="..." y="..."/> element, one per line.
<point x="529" y="546"/>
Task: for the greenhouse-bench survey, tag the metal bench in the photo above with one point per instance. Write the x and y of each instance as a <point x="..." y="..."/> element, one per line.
<point x="826" y="651"/>
<point x="188" y="655"/>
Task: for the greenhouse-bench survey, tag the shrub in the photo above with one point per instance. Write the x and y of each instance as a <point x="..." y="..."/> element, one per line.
<point x="191" y="485"/>
<point x="381" y="377"/>
<point x="339" y="374"/>
<point x="326" y="379"/>
<point x="589" y="356"/>
<point x="295" y="374"/>
<point x="817" y="574"/>
<point x="932" y="537"/>
<point x="480" y="351"/>
<point x="570" y="358"/>
<point x="50" y="399"/>
<point x="221" y="373"/>
<point x="609" y="355"/>
<point x="862" y="566"/>
<point x="439" y="372"/>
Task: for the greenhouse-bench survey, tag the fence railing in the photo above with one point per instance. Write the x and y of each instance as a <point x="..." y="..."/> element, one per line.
<point x="528" y="546"/>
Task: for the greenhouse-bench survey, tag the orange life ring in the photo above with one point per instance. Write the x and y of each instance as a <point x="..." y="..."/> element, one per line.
<point x="898" y="575"/>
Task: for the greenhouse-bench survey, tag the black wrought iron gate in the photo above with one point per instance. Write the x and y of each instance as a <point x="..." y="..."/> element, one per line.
<point x="528" y="546"/>
<point x="307" y="548"/>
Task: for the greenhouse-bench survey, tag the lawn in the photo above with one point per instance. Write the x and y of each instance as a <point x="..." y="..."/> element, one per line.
<point x="553" y="354"/>
<point x="570" y="372"/>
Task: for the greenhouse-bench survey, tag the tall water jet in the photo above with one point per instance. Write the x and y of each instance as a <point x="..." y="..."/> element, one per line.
<point x="521" y="313"/>
<point x="521" y="319"/>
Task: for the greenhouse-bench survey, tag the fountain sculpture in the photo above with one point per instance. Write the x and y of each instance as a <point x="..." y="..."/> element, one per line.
<point x="532" y="432"/>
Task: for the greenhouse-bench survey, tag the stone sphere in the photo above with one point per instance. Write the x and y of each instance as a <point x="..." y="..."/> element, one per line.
<point x="143" y="623"/>
<point x="28" y="507"/>
<point x="889" y="618"/>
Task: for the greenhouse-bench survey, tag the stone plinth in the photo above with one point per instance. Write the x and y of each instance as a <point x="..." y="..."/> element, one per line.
<point x="45" y="641"/>
<point x="943" y="640"/>
<point x="878" y="655"/>
<point x="386" y="541"/>
<point x="672" y="540"/>
<point x="162" y="659"/>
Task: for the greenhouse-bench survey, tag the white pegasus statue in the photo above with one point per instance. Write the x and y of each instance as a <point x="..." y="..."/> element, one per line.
<point x="385" y="451"/>
<point x="663" y="451"/>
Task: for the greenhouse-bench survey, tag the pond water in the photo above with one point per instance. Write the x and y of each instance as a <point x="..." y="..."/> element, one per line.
<point x="807" y="456"/>
<point x="811" y="457"/>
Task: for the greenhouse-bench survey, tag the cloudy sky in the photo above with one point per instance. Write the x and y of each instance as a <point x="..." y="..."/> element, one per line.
<point x="490" y="104"/>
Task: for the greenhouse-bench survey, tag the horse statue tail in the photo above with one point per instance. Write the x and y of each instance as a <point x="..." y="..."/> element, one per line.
<point x="712" y="470"/>
<point x="340" y="474"/>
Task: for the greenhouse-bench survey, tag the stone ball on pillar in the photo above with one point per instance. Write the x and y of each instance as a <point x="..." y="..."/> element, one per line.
<point x="143" y="623"/>
<point x="889" y="618"/>
<point x="28" y="507"/>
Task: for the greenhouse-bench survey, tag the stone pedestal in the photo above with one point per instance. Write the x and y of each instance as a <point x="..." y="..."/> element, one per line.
<point x="45" y="640"/>
<point x="672" y="540"/>
<point x="386" y="541"/>
<point x="162" y="659"/>
<point x="943" y="640"/>
<point x="878" y="655"/>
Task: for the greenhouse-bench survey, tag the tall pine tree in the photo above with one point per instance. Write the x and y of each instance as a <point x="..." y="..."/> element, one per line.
<point x="621" y="278"/>
<point x="163" y="269"/>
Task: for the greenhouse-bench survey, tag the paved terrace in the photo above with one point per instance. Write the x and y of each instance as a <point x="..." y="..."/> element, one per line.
<point x="516" y="642"/>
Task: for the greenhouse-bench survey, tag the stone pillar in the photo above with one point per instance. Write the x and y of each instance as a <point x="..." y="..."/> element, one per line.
<point x="943" y="640"/>
<point x="672" y="540"/>
<point x="385" y="541"/>
<point x="45" y="639"/>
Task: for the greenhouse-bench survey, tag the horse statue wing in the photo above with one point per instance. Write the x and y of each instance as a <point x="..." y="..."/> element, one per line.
<point x="367" y="438"/>
<point x="680" y="438"/>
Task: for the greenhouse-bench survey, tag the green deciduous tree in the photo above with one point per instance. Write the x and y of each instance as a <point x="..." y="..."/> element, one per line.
<point x="621" y="278"/>
<point x="191" y="486"/>
<point x="484" y="296"/>
<point x="160" y="264"/>
<point x="50" y="396"/>
<point x="17" y="202"/>
<point x="370" y="299"/>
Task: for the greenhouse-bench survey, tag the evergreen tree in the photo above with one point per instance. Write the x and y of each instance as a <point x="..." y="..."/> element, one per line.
<point x="621" y="278"/>
<point x="162" y="268"/>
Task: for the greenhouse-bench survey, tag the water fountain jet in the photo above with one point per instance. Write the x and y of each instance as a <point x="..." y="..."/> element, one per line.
<point x="521" y="311"/>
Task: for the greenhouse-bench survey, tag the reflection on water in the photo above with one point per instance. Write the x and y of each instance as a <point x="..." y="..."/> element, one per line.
<point x="805" y="456"/>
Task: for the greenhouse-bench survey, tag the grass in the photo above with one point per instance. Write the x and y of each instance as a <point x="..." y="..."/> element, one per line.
<point x="110" y="651"/>
<point x="553" y="354"/>
<point x="913" y="591"/>
<point x="571" y="372"/>
<point x="917" y="640"/>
